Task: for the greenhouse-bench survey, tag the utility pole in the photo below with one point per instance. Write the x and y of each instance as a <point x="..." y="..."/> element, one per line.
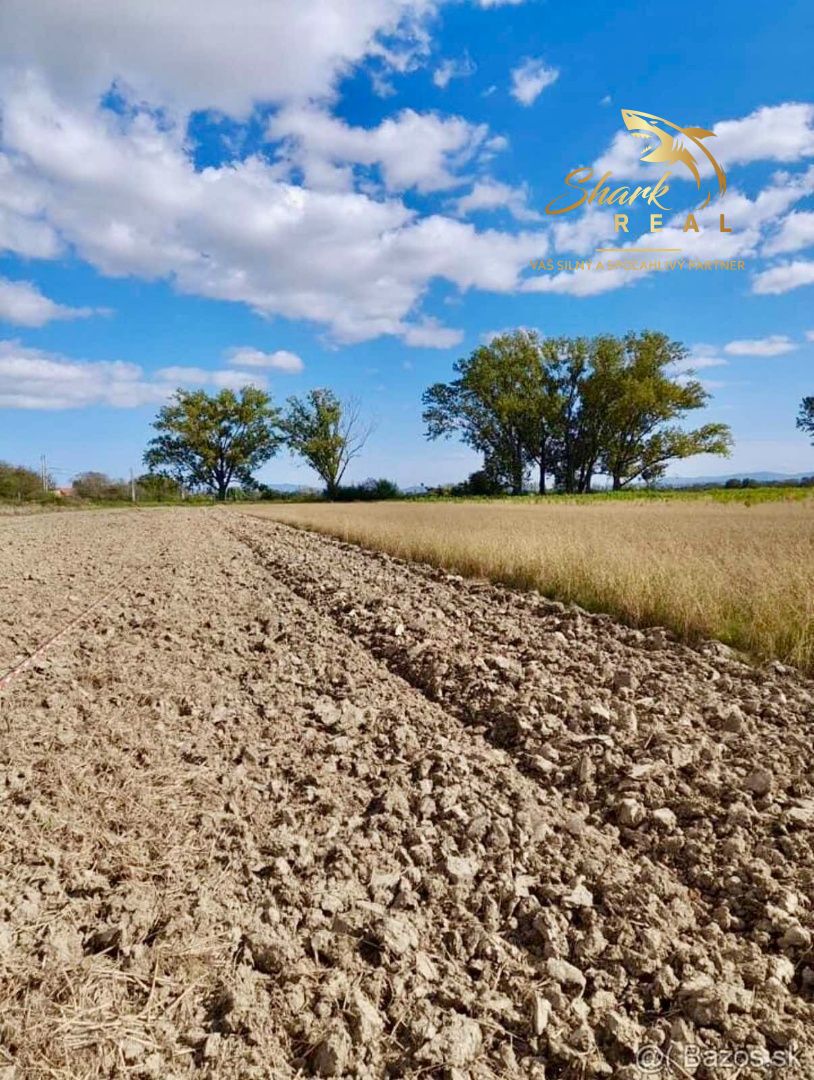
<point x="132" y="486"/>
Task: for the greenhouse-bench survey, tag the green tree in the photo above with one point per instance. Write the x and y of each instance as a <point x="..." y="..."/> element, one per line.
<point x="642" y="397"/>
<point x="212" y="440"/>
<point x="17" y="482"/>
<point x="573" y="407"/>
<point x="502" y="404"/>
<point x="327" y="432"/>
<point x="805" y="417"/>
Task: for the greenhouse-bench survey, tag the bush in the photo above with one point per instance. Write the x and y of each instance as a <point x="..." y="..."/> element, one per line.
<point x="370" y="491"/>
<point x="481" y="482"/>
<point x="99" y="486"/>
<point x="17" y="482"/>
<point x="158" y="487"/>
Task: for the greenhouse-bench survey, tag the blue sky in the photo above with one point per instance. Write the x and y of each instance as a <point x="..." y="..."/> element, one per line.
<point x="308" y="193"/>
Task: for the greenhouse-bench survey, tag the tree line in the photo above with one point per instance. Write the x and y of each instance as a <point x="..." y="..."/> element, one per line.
<point x="565" y="409"/>
<point x="572" y="408"/>
<point x="214" y="441"/>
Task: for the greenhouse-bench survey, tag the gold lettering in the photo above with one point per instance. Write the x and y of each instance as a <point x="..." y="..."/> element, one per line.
<point x="603" y="194"/>
<point x="655" y="223"/>
<point x="691" y="223"/>
<point x="723" y="227"/>
<point x="573" y="179"/>
<point x="620" y="222"/>
<point x="661" y="188"/>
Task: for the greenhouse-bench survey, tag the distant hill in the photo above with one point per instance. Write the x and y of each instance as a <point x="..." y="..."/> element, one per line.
<point x="761" y="477"/>
<point x="293" y="488"/>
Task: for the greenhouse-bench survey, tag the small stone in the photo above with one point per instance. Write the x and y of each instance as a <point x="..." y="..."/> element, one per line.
<point x="759" y="782"/>
<point x="331" y="1055"/>
<point x="681" y="1032"/>
<point x="580" y="897"/>
<point x="801" y="814"/>
<point x="459" y="869"/>
<point x="64" y="946"/>
<point x="456" y="1045"/>
<point x="566" y="974"/>
<point x="730" y="718"/>
<point x="398" y="935"/>
<point x="598" y="712"/>
<point x="625" y="680"/>
<point x="575" y="824"/>
<point x="796" y="937"/>
<point x="630" y="812"/>
<point x="539" y="1013"/>
<point x="366" y="1023"/>
<point x="626" y="1031"/>
<point x="211" y="1045"/>
<point x="665" y="817"/>
<point x="132" y="1051"/>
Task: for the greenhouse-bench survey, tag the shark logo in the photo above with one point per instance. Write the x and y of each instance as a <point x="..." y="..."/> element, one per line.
<point x="670" y="144"/>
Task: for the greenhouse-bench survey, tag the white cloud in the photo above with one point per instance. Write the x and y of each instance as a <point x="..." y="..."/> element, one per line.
<point x="413" y="150"/>
<point x="246" y="357"/>
<point x="431" y="334"/>
<point x="796" y="232"/>
<point x="580" y="233"/>
<point x="773" y="133"/>
<point x="181" y="375"/>
<point x="809" y="335"/>
<point x="450" y="69"/>
<point x="774" y="345"/>
<point x="493" y="195"/>
<point x="36" y="379"/>
<point x="33" y="379"/>
<point x="22" y="303"/>
<point x="700" y="357"/>
<point x="123" y="192"/>
<point x="784" y="278"/>
<point x="190" y="55"/>
<point x="530" y="79"/>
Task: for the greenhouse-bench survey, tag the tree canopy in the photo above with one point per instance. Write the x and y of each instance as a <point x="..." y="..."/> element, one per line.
<point x="211" y="441"/>
<point x="574" y="407"/>
<point x="805" y="417"/>
<point x="327" y="432"/>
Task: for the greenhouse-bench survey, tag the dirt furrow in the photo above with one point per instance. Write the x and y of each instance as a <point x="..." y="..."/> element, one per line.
<point x="701" y="762"/>
<point x="234" y="843"/>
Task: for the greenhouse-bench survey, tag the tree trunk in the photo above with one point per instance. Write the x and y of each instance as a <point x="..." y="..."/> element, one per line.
<point x="541" y="485"/>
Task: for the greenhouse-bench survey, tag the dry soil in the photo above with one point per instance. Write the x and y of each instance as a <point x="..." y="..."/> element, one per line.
<point x="278" y="806"/>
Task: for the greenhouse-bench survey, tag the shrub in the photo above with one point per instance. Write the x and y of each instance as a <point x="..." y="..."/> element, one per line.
<point x="371" y="490"/>
<point x="17" y="482"/>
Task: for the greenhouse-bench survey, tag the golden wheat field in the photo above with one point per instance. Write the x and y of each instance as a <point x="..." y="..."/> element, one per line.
<point x="740" y="573"/>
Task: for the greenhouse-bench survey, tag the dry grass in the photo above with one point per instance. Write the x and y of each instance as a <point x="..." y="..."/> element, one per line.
<point x="741" y="573"/>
